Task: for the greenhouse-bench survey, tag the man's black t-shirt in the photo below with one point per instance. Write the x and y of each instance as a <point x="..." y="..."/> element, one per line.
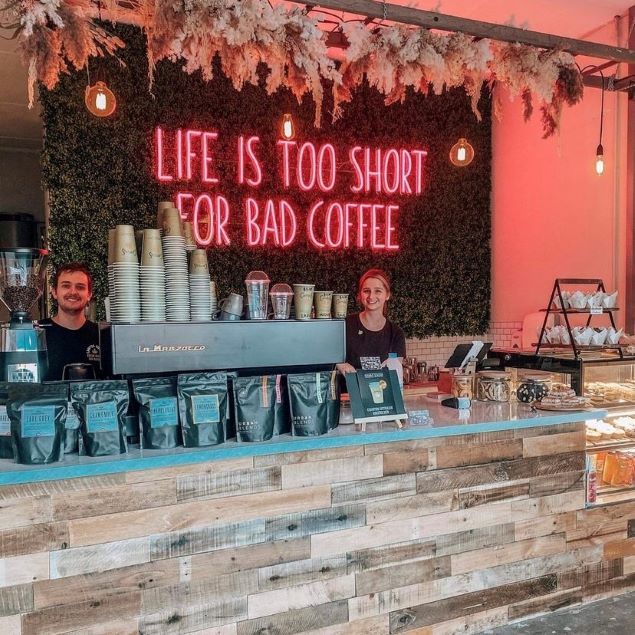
<point x="364" y="347"/>
<point x="68" y="346"/>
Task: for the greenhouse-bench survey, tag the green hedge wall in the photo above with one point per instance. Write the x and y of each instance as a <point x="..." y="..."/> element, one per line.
<point x="99" y="173"/>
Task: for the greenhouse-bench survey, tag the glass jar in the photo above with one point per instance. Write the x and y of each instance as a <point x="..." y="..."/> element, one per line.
<point x="494" y="386"/>
<point x="462" y="386"/>
<point x="532" y="387"/>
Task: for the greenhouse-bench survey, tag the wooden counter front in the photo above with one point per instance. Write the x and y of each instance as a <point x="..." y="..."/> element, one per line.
<point x="434" y="535"/>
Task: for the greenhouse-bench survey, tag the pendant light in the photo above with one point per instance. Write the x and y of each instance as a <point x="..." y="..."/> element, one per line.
<point x="599" y="152"/>
<point x="461" y="153"/>
<point x="99" y="99"/>
<point x="288" y="129"/>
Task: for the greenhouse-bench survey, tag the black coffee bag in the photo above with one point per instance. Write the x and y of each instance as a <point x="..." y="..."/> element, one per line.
<point x="37" y="413"/>
<point x="255" y="402"/>
<point x="203" y="408"/>
<point x="333" y="402"/>
<point x="281" y="414"/>
<point x="158" y="412"/>
<point x="230" y="426"/>
<point x="309" y="398"/>
<point x="101" y="407"/>
<point x="6" y="449"/>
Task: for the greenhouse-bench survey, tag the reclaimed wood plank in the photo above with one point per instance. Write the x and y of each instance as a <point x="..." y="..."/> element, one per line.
<point x="308" y="456"/>
<point x="402" y="574"/>
<point x="127" y="497"/>
<point x="513" y="552"/>
<point x="545" y="603"/>
<point x="299" y="572"/>
<point x="590" y="574"/>
<point x="545" y="485"/>
<point x="103" y="557"/>
<point x="333" y="471"/>
<point x="411" y="460"/>
<point x="609" y="588"/>
<point x="601" y="540"/>
<point x="226" y="629"/>
<point x="315" y="522"/>
<point x="479" y="438"/>
<point x="371" y="626"/>
<point x="475" y="623"/>
<point x="16" y="599"/>
<point x="24" y="569"/>
<point x="460" y="456"/>
<point x="366" y="559"/>
<point x="266" y="555"/>
<point x="545" y="525"/>
<point x="554" y="444"/>
<point x="499" y="472"/>
<point x="126" y="525"/>
<point x="629" y="565"/>
<point x="236" y="483"/>
<point x="21" y="512"/>
<point x="480" y="538"/>
<point x="552" y="504"/>
<point x="541" y="431"/>
<point x="413" y="445"/>
<point x="46" y="488"/>
<point x="120" y="626"/>
<point x="34" y="538"/>
<point x="299" y="621"/>
<point x="473" y="497"/>
<point x="211" y="467"/>
<point x="11" y="625"/>
<point x="459" y="606"/>
<point x="602" y="520"/>
<point x="410" y="506"/>
<point x="300" y="597"/>
<point x="69" y="617"/>
<point x="99" y="585"/>
<point x="204" y="539"/>
<point x="374" y="489"/>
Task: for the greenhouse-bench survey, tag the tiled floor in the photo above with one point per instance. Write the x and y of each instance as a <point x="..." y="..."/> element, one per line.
<point x="614" y="616"/>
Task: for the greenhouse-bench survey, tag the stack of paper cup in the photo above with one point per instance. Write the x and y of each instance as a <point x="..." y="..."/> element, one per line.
<point x="125" y="307"/>
<point x="213" y="299"/>
<point x="111" y="261"/>
<point x="177" y="291"/>
<point x="161" y="207"/>
<point x="188" y="233"/>
<point x="200" y="303"/>
<point x="152" y="277"/>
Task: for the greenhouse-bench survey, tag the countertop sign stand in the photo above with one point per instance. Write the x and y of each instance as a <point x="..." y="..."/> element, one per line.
<point x="376" y="396"/>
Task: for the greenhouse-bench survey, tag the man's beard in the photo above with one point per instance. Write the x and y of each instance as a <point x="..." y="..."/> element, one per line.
<point x="73" y="310"/>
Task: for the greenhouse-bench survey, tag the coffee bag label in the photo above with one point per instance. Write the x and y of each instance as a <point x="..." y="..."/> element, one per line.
<point x="163" y="412"/>
<point x="37" y="421"/>
<point x="205" y="409"/>
<point x="101" y="417"/>
<point x="5" y="422"/>
<point x="72" y="420"/>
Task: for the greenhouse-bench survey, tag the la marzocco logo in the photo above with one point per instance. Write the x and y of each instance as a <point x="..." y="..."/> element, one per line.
<point x="177" y="348"/>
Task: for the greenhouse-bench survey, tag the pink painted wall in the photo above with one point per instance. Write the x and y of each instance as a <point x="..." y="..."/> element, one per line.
<point x="552" y="216"/>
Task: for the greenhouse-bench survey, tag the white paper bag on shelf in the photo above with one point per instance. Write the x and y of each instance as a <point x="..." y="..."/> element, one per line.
<point x="595" y="300"/>
<point x="553" y="335"/>
<point x="578" y="300"/>
<point x="610" y="300"/>
<point x="565" y="338"/>
<point x="565" y="300"/>
<point x="599" y="336"/>
<point x="613" y="336"/>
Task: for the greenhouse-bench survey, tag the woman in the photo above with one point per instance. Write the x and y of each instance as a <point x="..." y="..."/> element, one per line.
<point x="370" y="337"/>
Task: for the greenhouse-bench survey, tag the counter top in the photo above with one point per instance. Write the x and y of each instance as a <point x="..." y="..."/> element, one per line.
<point x="482" y="417"/>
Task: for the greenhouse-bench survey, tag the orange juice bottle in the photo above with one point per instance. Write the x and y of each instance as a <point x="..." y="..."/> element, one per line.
<point x="610" y="467"/>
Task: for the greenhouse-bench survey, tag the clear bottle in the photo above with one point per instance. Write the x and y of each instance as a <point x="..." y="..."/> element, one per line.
<point x="393" y="363"/>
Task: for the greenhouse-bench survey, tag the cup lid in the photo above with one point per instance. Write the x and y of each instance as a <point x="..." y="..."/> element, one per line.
<point x="257" y="276"/>
<point x="281" y="288"/>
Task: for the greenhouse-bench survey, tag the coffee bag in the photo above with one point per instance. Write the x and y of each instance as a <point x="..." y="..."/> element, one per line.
<point x="309" y="399"/>
<point x="101" y="407"/>
<point x="159" y="412"/>
<point x="6" y="449"/>
<point x="37" y="413"/>
<point x="333" y="402"/>
<point x="255" y="402"/>
<point x="202" y="401"/>
<point x="281" y="414"/>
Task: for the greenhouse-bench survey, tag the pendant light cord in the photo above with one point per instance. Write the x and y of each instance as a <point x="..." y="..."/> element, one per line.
<point x="601" y="106"/>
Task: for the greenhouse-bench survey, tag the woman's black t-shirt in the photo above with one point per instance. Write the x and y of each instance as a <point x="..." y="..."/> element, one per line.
<point x="367" y="349"/>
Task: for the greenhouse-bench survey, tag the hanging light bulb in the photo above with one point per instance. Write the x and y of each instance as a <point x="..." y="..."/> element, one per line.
<point x="461" y="153"/>
<point x="599" y="160"/>
<point x="100" y="100"/>
<point x="288" y="129"/>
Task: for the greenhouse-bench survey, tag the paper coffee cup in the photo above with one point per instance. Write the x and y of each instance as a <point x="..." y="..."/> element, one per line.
<point x="125" y="245"/>
<point x="198" y="263"/>
<point x="303" y="300"/>
<point x="161" y="207"/>
<point x="172" y="222"/>
<point x="322" y="300"/>
<point x="340" y="305"/>
<point x="111" y="246"/>
<point x="152" y="251"/>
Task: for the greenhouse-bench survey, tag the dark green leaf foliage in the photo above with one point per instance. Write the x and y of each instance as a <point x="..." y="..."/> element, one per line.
<point x="99" y="173"/>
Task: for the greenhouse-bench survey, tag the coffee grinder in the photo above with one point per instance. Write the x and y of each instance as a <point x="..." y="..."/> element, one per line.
<point x="23" y="355"/>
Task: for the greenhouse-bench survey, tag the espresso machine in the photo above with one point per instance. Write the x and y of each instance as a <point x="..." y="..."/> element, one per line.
<point x="23" y="355"/>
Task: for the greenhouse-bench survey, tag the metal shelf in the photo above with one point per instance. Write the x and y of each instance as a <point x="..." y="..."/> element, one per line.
<point x="611" y="445"/>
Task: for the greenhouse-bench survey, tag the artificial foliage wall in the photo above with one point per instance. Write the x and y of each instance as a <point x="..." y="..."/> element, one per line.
<point x="101" y="172"/>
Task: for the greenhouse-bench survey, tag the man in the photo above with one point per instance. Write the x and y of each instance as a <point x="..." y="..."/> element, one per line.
<point x="70" y="337"/>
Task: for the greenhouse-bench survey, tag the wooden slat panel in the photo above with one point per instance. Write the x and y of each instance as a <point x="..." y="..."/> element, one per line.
<point x="560" y="428"/>
<point x="110" y="555"/>
<point x="121" y="626"/>
<point x="34" y="538"/>
<point x="24" y="569"/>
<point x="371" y="626"/>
<point x="185" y="543"/>
<point x="479" y="438"/>
<point x="569" y="482"/>
<point x="590" y="574"/>
<point x="69" y="617"/>
<point x="226" y="629"/>
<point x="319" y="521"/>
<point x="16" y="599"/>
<point x="402" y="575"/>
<point x="297" y="621"/>
<point x="553" y="504"/>
<point x="629" y="565"/>
<point x="473" y="497"/>
<point x="480" y="538"/>
<point x="475" y="623"/>
<point x="414" y="445"/>
<point x="195" y="514"/>
<point x="45" y="488"/>
<point x="469" y="603"/>
<point x="239" y="482"/>
<point x="411" y="460"/>
<point x="299" y="597"/>
<point x="374" y="489"/>
<point x="335" y="471"/>
<point x="546" y="603"/>
<point x="513" y="552"/>
<point x="602" y="520"/>
<point x="21" y="512"/>
<point x="544" y="525"/>
<point x="609" y="588"/>
<point x="458" y="456"/>
<point x="365" y="559"/>
<point x="301" y="572"/>
<point x="213" y="467"/>
<point x="123" y="498"/>
<point x="499" y="472"/>
<point x="309" y="456"/>
<point x="554" y="444"/>
<point x="99" y="585"/>
<point x="11" y="625"/>
<point x="266" y="554"/>
<point x="410" y="506"/>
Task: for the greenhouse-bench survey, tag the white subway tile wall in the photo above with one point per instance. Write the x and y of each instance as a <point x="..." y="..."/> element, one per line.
<point x="437" y="350"/>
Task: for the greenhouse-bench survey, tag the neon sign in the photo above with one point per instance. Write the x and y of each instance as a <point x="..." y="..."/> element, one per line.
<point x="186" y="159"/>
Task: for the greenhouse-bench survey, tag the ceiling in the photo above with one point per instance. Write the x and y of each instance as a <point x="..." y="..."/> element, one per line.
<point x="21" y="127"/>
